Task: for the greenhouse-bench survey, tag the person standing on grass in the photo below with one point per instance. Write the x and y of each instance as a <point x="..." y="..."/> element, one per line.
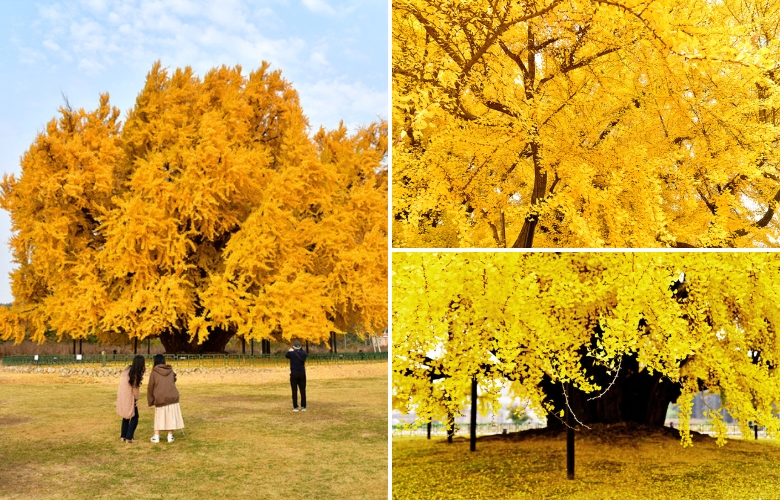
<point x="127" y="398"/>
<point x="297" y="357"/>
<point x="164" y="396"/>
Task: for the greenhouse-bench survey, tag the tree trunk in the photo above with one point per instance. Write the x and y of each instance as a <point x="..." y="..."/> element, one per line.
<point x="635" y="396"/>
<point x="526" y="237"/>
<point x="178" y="341"/>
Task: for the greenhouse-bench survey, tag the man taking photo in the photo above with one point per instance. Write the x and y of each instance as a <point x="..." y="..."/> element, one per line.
<point x="297" y="357"/>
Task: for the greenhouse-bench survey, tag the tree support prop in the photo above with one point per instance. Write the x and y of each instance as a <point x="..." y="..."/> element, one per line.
<point x="473" y="414"/>
<point x="569" y="444"/>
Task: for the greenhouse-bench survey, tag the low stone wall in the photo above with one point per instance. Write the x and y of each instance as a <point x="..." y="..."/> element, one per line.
<point x="105" y="371"/>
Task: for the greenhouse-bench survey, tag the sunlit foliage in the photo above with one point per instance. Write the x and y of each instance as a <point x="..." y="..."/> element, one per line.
<point x="585" y="123"/>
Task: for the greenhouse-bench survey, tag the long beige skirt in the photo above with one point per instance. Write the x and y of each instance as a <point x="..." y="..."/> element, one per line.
<point x="168" y="418"/>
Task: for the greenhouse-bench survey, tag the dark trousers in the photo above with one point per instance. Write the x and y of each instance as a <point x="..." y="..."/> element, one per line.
<point x="129" y="425"/>
<point x="298" y="380"/>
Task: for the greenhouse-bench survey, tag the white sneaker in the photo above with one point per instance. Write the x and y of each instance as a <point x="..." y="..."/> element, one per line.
<point x="303" y="409"/>
<point x="296" y="409"/>
<point x="170" y="438"/>
<point x="155" y="439"/>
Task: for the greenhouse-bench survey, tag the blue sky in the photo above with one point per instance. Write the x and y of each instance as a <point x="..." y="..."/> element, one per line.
<point x="335" y="52"/>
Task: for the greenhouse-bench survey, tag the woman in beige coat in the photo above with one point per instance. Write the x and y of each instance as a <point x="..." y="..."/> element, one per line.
<point x="127" y="397"/>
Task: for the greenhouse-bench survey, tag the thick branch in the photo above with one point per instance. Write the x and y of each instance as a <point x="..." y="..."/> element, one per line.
<point x="770" y="212"/>
<point x="571" y="67"/>
<point x="709" y="204"/>
<point x="515" y="57"/>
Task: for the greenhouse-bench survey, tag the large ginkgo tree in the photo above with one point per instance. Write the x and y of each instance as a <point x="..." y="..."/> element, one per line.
<point x="210" y="212"/>
<point x="610" y="337"/>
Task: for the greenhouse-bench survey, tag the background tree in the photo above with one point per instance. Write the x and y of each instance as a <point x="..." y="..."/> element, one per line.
<point x="621" y="330"/>
<point x="209" y="213"/>
<point x="585" y="123"/>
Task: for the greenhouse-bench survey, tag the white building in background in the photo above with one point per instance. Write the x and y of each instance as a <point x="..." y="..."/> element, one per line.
<point x="500" y="418"/>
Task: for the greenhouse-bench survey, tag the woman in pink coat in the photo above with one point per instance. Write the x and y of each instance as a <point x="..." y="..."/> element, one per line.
<point x="127" y="397"/>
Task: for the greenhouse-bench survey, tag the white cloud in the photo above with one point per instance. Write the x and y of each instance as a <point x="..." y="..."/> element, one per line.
<point x="90" y="66"/>
<point x="51" y="12"/>
<point x="326" y="102"/>
<point x="179" y="32"/>
<point x="319" y="6"/>
<point x="88" y="37"/>
<point x="319" y="59"/>
<point x="31" y="56"/>
<point x="231" y="15"/>
<point x="51" y="45"/>
<point x="100" y="34"/>
<point x="95" y="5"/>
<point x="186" y="7"/>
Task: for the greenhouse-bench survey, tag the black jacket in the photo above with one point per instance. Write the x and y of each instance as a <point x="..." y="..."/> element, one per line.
<point x="297" y="359"/>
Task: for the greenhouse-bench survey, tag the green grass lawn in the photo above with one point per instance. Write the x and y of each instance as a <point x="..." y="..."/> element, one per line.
<point x="59" y="438"/>
<point x="624" y="468"/>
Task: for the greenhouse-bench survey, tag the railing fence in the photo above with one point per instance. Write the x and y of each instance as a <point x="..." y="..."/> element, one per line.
<point x="484" y="429"/>
<point x="192" y="360"/>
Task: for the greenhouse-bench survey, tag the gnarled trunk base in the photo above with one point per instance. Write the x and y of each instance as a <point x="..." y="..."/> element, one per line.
<point x="177" y="341"/>
<point x="635" y="396"/>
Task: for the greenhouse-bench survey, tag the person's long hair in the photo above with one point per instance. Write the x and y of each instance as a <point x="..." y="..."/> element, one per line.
<point x="159" y="359"/>
<point x="137" y="370"/>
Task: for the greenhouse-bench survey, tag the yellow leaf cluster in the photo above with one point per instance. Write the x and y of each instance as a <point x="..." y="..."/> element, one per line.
<point x="585" y="123"/>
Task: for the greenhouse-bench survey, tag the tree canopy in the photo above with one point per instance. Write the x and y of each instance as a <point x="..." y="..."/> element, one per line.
<point x="585" y="123"/>
<point x="540" y="322"/>
<point x="210" y="212"/>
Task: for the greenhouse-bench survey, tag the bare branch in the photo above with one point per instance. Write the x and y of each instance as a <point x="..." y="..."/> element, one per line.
<point x="569" y="407"/>
<point x="611" y="383"/>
